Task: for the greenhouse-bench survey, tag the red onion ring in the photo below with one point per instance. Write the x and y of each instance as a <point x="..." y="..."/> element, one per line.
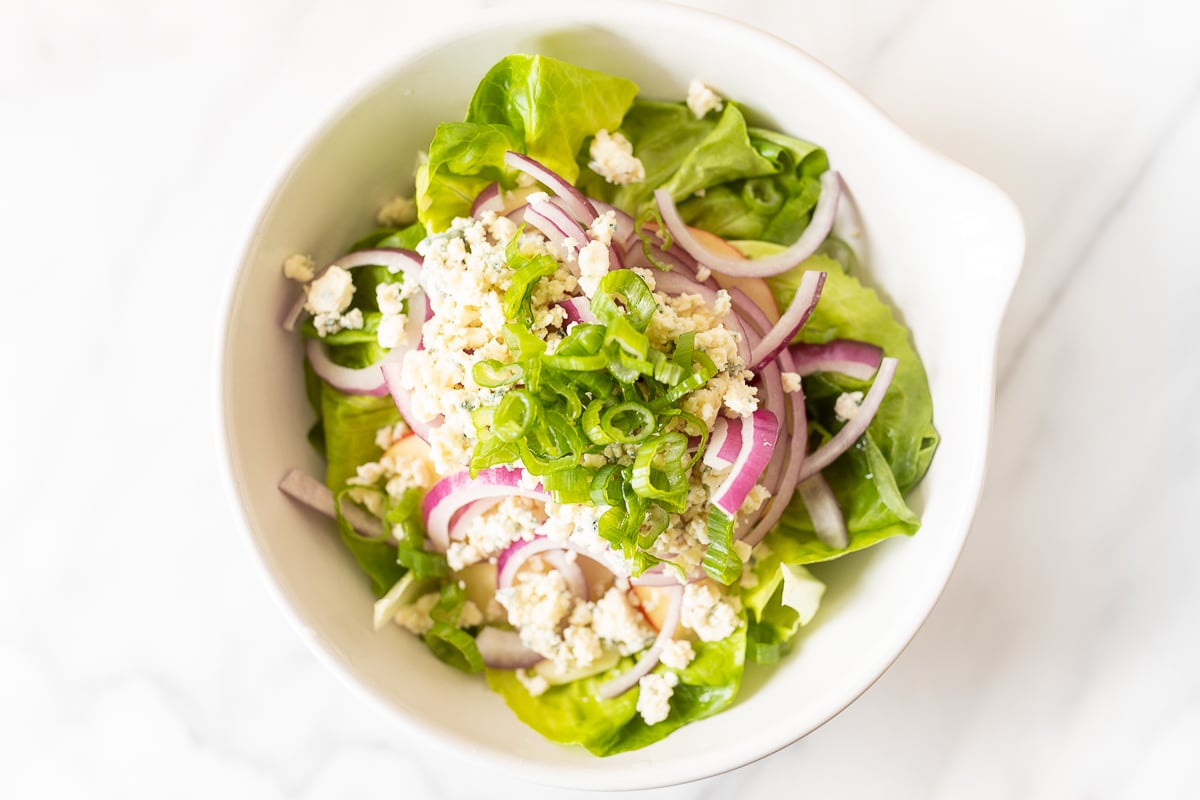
<point x="519" y="552"/>
<point x="455" y="491"/>
<point x="579" y="309"/>
<point x="576" y="204"/>
<point x="792" y="320"/>
<point x="400" y="396"/>
<point x="797" y="444"/>
<point x="825" y="455"/>
<point x="627" y="680"/>
<point x="759" y="434"/>
<point x="490" y="199"/>
<point x="503" y="649"/>
<point x="371" y="379"/>
<point x="818" y="229"/>
<point x="307" y="490"/>
<point x="849" y="357"/>
<point x="465" y="516"/>
<point x="828" y="522"/>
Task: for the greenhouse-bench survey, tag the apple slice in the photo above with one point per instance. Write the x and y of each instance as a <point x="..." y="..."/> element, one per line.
<point x="653" y="602"/>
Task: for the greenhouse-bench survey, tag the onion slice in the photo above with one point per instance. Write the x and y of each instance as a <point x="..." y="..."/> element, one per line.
<point x="403" y="400"/>
<point x="849" y="357"/>
<point x="627" y="680"/>
<point x="797" y="443"/>
<point x="371" y="379"/>
<point x="503" y="649"/>
<point x="490" y="199"/>
<point x="817" y="231"/>
<point x="455" y="491"/>
<point x="518" y="553"/>
<point x="758" y="436"/>
<point x="576" y="204"/>
<point x="801" y="308"/>
<point x="823" y="510"/>
<point x="825" y="455"/>
<point x="309" y="491"/>
<point x="579" y="309"/>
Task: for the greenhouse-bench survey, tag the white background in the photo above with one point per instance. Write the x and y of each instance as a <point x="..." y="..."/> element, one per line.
<point x="140" y="656"/>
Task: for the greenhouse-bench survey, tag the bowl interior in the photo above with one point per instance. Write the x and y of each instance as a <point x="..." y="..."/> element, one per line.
<point x="951" y="288"/>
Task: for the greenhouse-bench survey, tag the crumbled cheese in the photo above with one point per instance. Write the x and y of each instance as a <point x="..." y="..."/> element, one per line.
<point x="388" y="435"/>
<point x="331" y="293"/>
<point x="612" y="158"/>
<point x="703" y="273"/>
<point x="510" y="520"/>
<point x="415" y="616"/>
<point x="299" y="267"/>
<point x="707" y="613"/>
<point x="537" y="604"/>
<point x="654" y="696"/>
<point x="847" y="405"/>
<point x="390" y="298"/>
<point x="618" y="622"/>
<point x="677" y="653"/>
<point x="701" y="98"/>
<point x="535" y="684"/>
<point x="791" y="381"/>
<point x="392" y="330"/>
<point x="603" y="227"/>
<point x="397" y="212"/>
<point x="593" y="266"/>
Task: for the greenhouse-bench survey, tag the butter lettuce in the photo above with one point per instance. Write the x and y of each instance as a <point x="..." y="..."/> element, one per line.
<point x="730" y="178"/>
<point x="532" y="104"/>
<point x="871" y="479"/>
<point x="575" y="714"/>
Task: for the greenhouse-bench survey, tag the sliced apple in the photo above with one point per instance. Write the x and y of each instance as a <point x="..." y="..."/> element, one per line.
<point x="653" y="602"/>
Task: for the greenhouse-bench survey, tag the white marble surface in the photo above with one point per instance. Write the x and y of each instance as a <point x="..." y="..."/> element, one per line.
<point x="140" y="656"/>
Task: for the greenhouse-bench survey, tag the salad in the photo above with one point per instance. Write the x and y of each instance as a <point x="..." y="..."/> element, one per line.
<point x="594" y="397"/>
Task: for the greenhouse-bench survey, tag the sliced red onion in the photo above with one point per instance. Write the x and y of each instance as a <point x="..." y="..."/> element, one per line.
<point x="288" y="323"/>
<point x="724" y="443"/>
<point x="825" y="455"/>
<point x="396" y="260"/>
<point x="403" y="400"/>
<point x="453" y="492"/>
<point x="306" y="489"/>
<point x="519" y="552"/>
<point x="758" y="435"/>
<point x="849" y="357"/>
<point x="803" y="303"/>
<point x="503" y="649"/>
<point x="823" y="510"/>
<point x="576" y="204"/>
<point x="818" y="229"/>
<point x="627" y="680"/>
<point x="559" y="220"/>
<point x="490" y="199"/>
<point x="796" y="445"/>
<point x="462" y="520"/>
<point x="368" y="380"/>
<point x="579" y="309"/>
<point x="371" y="379"/>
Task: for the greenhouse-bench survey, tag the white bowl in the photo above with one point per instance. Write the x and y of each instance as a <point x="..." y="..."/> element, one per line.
<point x="945" y="246"/>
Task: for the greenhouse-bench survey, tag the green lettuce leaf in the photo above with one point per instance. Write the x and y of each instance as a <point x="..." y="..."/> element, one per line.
<point x="903" y="428"/>
<point x="574" y="714"/>
<point x="532" y="104"/>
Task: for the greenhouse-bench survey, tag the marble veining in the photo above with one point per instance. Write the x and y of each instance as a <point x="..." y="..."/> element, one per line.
<point x="141" y="654"/>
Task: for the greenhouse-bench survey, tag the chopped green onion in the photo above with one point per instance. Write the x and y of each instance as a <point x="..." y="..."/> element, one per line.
<point x="454" y="647"/>
<point x="515" y="413"/>
<point x="721" y="561"/>
<point x="627" y="423"/>
<point x="491" y="373"/>
<point x="569" y="485"/>
<point x="632" y="290"/>
<point x="663" y="456"/>
<point x="606" y="486"/>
